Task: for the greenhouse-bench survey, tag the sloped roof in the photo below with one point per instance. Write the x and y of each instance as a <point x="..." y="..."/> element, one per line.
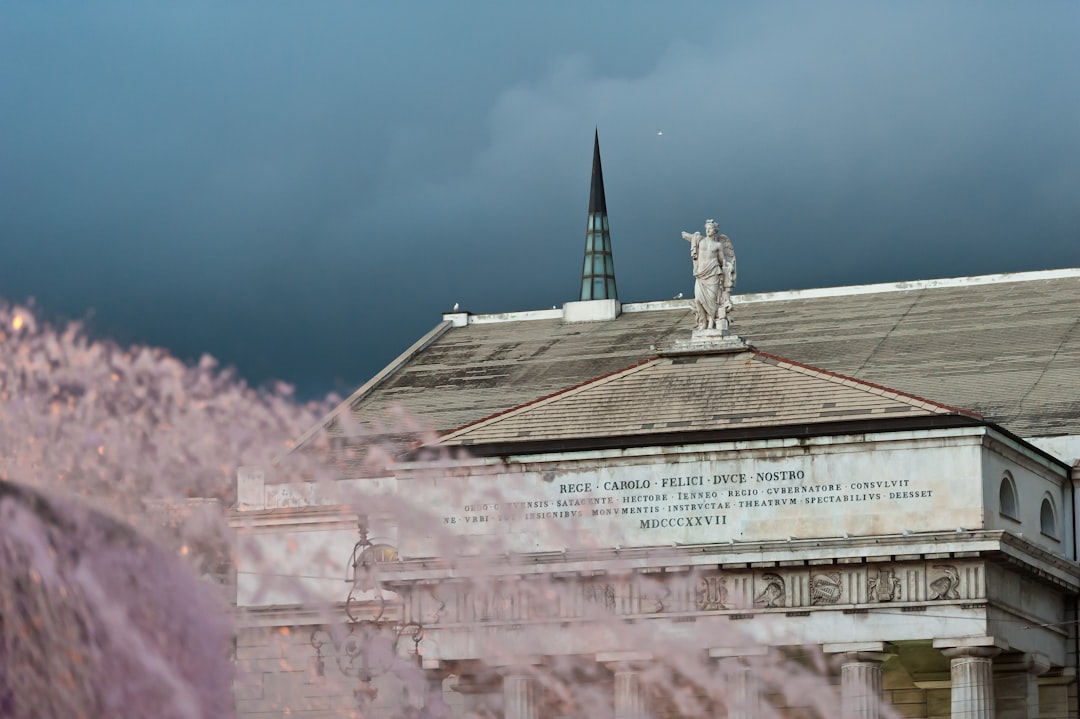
<point x="697" y="393"/>
<point x="1006" y="346"/>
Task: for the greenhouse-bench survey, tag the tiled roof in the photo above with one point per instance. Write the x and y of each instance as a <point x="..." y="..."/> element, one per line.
<point x="693" y="393"/>
<point x="1007" y="348"/>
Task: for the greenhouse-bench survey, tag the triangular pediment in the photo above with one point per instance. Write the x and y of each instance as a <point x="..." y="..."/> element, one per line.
<point x="698" y="393"/>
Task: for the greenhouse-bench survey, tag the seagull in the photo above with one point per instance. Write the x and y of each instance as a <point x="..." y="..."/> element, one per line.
<point x="678" y="296"/>
<point x="659" y="133"/>
<point x="456" y="306"/>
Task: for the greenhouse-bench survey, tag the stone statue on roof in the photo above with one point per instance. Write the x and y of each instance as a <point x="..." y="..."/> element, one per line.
<point x="714" y="276"/>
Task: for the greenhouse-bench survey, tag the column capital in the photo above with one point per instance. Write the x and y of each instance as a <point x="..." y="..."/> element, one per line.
<point x="860" y="647"/>
<point x="737" y="652"/>
<point x="515" y="666"/>
<point x="962" y="642"/>
<point x="623" y="658"/>
<point x="865" y="657"/>
<point x="860" y="652"/>
<point x="970" y="652"/>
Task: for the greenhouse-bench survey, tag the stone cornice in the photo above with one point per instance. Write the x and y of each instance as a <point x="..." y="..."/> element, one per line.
<point x="294" y="518"/>
<point x="302" y="615"/>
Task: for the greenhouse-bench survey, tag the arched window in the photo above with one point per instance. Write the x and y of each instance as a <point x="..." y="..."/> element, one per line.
<point x="1048" y="518"/>
<point x="1007" y="498"/>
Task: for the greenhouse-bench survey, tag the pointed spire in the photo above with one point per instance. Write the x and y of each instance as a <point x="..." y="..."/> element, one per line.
<point x="598" y="274"/>
<point x="597" y="203"/>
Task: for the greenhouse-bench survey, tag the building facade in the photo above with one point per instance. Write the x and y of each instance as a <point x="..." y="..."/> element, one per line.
<point x="865" y="506"/>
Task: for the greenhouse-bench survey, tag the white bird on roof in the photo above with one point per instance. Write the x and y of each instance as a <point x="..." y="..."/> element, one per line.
<point x="456" y="306"/>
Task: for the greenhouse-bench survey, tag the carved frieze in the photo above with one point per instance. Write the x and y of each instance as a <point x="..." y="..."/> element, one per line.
<point x="494" y="605"/>
<point x="654" y="597"/>
<point x="793" y="588"/>
<point x="825" y="588"/>
<point x="773" y="593"/>
<point x="711" y="593"/>
<point x="946" y="586"/>
<point x="596" y="593"/>
<point x="884" y="587"/>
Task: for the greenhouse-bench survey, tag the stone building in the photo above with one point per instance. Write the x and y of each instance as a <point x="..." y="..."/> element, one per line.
<point x="875" y="485"/>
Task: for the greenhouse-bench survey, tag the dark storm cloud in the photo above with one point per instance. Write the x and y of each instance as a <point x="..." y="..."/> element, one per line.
<point x="301" y="188"/>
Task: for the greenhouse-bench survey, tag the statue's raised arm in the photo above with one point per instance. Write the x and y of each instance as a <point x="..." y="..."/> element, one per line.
<point x="693" y="239"/>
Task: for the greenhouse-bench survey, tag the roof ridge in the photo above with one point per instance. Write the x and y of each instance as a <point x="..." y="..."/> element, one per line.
<point x="877" y="400"/>
<point x="841" y="378"/>
<point x="565" y="391"/>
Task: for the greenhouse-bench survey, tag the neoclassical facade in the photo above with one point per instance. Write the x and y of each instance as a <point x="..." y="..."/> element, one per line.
<point x="858" y="501"/>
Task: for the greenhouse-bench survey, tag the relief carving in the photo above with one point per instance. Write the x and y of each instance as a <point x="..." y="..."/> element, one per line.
<point x="885" y="587"/>
<point x="432" y="606"/>
<point x="711" y="593"/>
<point x="945" y="587"/>
<point x="775" y="592"/>
<point x="825" y="588"/>
<point x="601" y="594"/>
<point x="653" y="596"/>
<point x="498" y="604"/>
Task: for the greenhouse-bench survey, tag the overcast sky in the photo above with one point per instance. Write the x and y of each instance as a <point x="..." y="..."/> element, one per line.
<point x="300" y="189"/>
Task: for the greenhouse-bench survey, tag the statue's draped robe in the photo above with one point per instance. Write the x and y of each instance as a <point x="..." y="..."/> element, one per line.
<point x="708" y="277"/>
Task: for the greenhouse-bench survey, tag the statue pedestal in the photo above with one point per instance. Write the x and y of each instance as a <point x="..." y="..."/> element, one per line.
<point x="711" y="341"/>
<point x="705" y="335"/>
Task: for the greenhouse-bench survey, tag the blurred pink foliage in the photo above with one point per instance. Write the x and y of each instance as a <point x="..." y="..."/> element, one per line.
<point x="96" y="619"/>
<point x="96" y="419"/>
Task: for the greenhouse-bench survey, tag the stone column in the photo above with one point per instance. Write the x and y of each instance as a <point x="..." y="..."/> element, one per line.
<point x="743" y="688"/>
<point x="744" y="693"/>
<point x="860" y="684"/>
<point x="519" y="696"/>
<point x="629" y="698"/>
<point x="860" y="677"/>
<point x="630" y="701"/>
<point x="972" y="674"/>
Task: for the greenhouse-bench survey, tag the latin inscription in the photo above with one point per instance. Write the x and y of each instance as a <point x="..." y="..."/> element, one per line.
<point x="690" y="501"/>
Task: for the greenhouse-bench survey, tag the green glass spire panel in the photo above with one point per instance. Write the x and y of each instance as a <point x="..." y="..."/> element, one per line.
<point x="598" y="271"/>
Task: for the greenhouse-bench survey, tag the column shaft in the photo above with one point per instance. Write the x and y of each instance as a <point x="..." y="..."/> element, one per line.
<point x="744" y="693"/>
<point x="519" y="697"/>
<point x="629" y="697"/>
<point x="860" y="689"/>
<point x="972" y="682"/>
